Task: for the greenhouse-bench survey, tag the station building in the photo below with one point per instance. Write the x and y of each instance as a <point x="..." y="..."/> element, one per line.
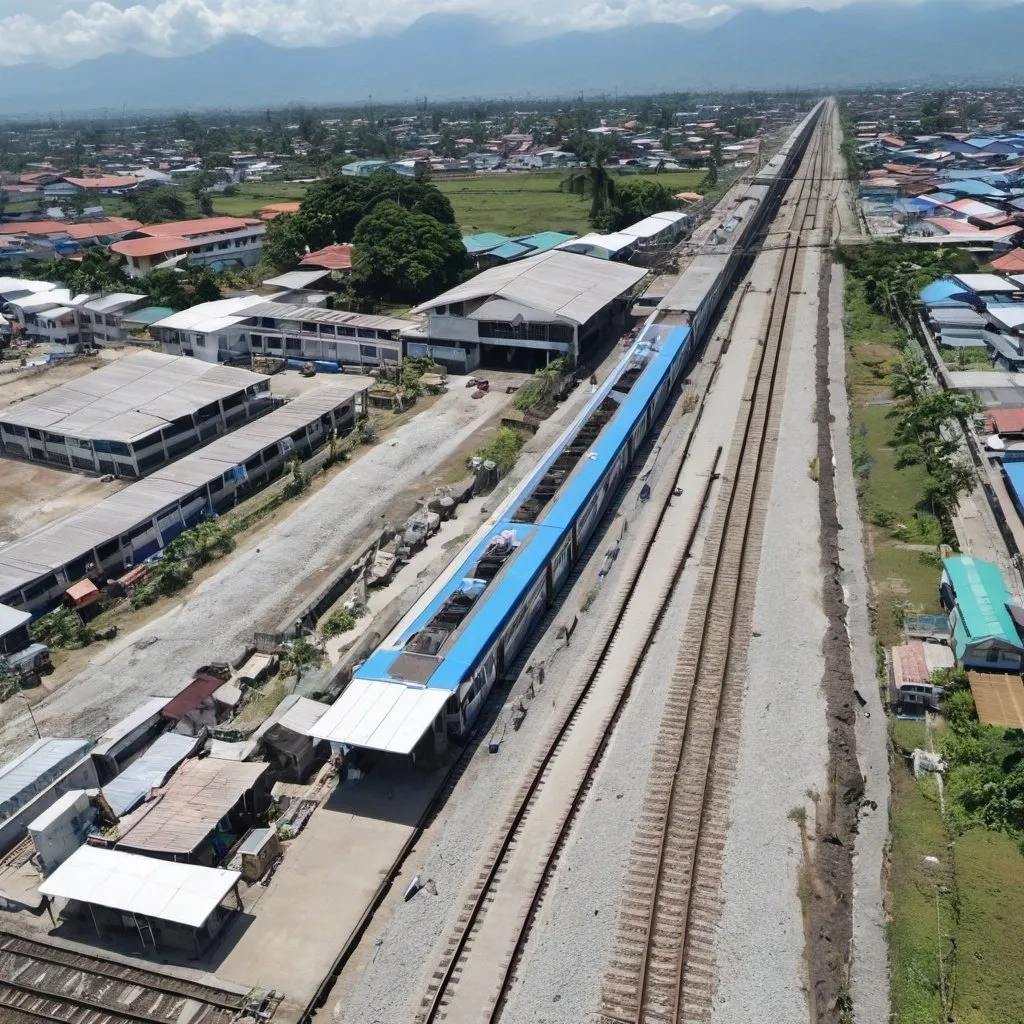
<point x="134" y="415"/>
<point x="526" y="313"/>
<point x="128" y="527"/>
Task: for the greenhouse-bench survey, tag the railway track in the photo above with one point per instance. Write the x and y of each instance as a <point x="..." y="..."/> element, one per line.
<point x="476" y="970"/>
<point x="43" y="981"/>
<point x="662" y="969"/>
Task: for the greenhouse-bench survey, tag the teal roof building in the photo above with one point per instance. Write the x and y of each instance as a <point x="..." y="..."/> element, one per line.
<point x="984" y="633"/>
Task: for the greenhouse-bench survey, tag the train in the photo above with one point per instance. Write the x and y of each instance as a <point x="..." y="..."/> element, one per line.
<point x="427" y="682"/>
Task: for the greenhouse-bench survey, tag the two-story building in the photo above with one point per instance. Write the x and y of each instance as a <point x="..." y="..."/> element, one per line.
<point x="526" y="313"/>
<point x="232" y="329"/>
<point x="218" y="242"/>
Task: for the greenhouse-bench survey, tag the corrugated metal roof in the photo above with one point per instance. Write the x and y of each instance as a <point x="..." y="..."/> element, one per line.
<point x="130" y="398"/>
<point x="200" y="689"/>
<point x="649" y="227"/>
<point x="24" y="560"/>
<point x="112" y="303"/>
<point x="573" y="286"/>
<point x="986" y="283"/>
<point x="27" y="775"/>
<point x="1010" y="315"/>
<point x="132" y="786"/>
<point x="1006" y="421"/>
<point x="186" y="810"/>
<point x="316" y="315"/>
<point x="11" y="619"/>
<point x="147" y="315"/>
<point x="613" y="243"/>
<point x="197" y="318"/>
<point x="981" y="597"/>
<point x="297" y="279"/>
<point x="184" y="893"/>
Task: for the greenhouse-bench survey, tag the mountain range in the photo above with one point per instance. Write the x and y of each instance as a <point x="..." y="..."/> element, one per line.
<point x="456" y="57"/>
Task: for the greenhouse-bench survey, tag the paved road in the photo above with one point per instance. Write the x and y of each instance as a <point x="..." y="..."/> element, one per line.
<point x="214" y="622"/>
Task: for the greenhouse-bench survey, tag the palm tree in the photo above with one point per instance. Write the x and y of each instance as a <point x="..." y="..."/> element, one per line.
<point x="594" y="180"/>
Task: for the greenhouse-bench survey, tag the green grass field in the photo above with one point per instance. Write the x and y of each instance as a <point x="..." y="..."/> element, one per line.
<point x="952" y="914"/>
<point x="250" y="196"/>
<point x="510" y="204"/>
<point x="519" y="204"/>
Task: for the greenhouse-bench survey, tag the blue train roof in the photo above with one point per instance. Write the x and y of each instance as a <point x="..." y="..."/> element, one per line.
<point x="587" y="475"/>
<point x="487" y="616"/>
<point x="536" y="541"/>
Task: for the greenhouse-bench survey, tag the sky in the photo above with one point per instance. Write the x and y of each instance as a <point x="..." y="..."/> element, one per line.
<point x="64" y="32"/>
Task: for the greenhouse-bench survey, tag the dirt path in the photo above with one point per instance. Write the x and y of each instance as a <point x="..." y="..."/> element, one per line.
<point x="215" y="621"/>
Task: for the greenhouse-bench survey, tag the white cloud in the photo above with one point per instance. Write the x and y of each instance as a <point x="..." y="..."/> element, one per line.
<point x="63" y="32"/>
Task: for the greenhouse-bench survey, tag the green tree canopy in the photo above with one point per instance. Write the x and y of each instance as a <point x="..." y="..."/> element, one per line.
<point x="181" y="289"/>
<point x="404" y="255"/>
<point x="635" y="199"/>
<point x="157" y="204"/>
<point x="333" y="209"/>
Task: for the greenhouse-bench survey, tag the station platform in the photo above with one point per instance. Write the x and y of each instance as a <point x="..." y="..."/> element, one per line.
<point x="330" y="875"/>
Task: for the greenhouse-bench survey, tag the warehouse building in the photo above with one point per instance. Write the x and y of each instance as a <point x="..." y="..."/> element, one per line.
<point x="133" y="524"/>
<point x="133" y="415"/>
<point x="526" y="313"/>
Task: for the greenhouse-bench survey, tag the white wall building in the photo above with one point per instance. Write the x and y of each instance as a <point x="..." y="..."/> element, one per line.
<point x="215" y="241"/>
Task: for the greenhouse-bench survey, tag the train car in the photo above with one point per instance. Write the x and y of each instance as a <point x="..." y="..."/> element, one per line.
<point x="431" y="676"/>
<point x="466" y="631"/>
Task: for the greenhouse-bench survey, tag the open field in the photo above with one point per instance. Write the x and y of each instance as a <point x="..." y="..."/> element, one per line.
<point x="511" y="204"/>
<point x="892" y="498"/>
<point x="518" y="204"/>
<point x="250" y="196"/>
<point x="951" y="899"/>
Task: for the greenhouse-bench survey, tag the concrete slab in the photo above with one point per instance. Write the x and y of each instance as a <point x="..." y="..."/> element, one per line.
<point x="329" y="875"/>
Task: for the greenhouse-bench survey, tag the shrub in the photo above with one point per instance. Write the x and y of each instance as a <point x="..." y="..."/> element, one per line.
<point x="341" y="620"/>
<point x="503" y="449"/>
<point x="62" y="629"/>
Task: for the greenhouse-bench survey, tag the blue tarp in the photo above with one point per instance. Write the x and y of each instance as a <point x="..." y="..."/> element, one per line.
<point x="940" y="291"/>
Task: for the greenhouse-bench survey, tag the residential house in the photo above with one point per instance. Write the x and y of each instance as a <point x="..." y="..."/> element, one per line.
<point x="984" y="630"/>
<point x="214" y="241"/>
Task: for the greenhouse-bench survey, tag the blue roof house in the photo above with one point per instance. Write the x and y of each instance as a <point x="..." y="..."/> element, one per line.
<point x="984" y="633"/>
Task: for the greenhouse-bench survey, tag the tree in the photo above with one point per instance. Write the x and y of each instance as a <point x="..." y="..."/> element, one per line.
<point x="301" y="654"/>
<point x="284" y="243"/>
<point x="909" y="378"/>
<point x="636" y="199"/>
<point x="594" y="180"/>
<point x="403" y="255"/>
<point x="157" y="204"/>
<point x="333" y="208"/>
<point x="181" y="289"/>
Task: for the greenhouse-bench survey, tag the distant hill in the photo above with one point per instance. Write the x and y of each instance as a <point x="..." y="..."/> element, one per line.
<point x="454" y="57"/>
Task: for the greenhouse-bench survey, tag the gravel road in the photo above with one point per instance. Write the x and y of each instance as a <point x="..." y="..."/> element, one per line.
<point x="259" y="582"/>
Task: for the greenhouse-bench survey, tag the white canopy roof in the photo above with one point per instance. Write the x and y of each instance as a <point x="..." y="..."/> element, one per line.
<point x="380" y="715"/>
<point x="615" y="242"/>
<point x="183" y="893"/>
